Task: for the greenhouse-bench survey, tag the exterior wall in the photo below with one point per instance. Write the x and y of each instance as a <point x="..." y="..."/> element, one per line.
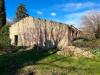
<point x="32" y="31"/>
<point x="73" y="33"/>
<point x="88" y="35"/>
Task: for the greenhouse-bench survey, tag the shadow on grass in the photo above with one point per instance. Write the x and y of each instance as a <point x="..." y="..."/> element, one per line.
<point x="12" y="63"/>
<point x="9" y="64"/>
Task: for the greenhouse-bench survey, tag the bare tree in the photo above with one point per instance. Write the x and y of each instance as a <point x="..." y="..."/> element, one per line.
<point x="91" y="22"/>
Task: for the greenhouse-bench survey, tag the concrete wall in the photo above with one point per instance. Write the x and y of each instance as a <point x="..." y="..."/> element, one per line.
<point x="43" y="33"/>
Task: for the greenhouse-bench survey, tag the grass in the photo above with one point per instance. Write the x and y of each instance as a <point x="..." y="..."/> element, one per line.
<point x="49" y="63"/>
<point x="46" y="62"/>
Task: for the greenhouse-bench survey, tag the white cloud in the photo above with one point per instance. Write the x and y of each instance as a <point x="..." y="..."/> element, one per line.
<point x="9" y="19"/>
<point x="74" y="18"/>
<point x="53" y="14"/>
<point x="39" y="12"/>
<point x="76" y="6"/>
<point x="83" y="5"/>
<point x="71" y="13"/>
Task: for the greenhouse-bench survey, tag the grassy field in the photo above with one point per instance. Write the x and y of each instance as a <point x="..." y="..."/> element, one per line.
<point x="47" y="63"/>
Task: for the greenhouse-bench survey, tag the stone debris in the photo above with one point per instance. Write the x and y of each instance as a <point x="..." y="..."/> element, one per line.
<point x="72" y="50"/>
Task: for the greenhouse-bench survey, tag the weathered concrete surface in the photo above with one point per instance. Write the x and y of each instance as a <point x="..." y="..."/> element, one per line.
<point x="32" y="31"/>
<point x="43" y="33"/>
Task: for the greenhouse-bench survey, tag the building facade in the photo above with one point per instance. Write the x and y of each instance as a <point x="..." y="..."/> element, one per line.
<point x="43" y="33"/>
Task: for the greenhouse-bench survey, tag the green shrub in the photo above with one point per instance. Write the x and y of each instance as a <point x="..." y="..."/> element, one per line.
<point x="97" y="34"/>
<point x="96" y="51"/>
<point x="81" y="38"/>
<point x="4" y="37"/>
<point x="89" y="43"/>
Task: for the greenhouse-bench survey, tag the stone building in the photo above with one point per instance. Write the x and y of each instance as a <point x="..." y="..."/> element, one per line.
<point x="43" y="33"/>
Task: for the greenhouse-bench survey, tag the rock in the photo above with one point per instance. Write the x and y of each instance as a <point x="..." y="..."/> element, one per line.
<point x="78" y="52"/>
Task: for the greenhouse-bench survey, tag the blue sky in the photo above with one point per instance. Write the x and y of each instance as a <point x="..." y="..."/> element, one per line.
<point x="66" y="11"/>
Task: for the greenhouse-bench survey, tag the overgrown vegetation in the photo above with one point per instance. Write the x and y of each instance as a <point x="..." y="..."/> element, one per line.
<point x="43" y="62"/>
<point x="5" y="42"/>
<point x="4" y="38"/>
<point x="96" y="51"/>
<point x="47" y="62"/>
<point x="87" y="43"/>
<point x="92" y="45"/>
<point x="2" y="14"/>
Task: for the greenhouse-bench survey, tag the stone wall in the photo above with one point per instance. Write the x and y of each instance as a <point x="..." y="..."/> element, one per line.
<point x="47" y="34"/>
<point x="88" y="35"/>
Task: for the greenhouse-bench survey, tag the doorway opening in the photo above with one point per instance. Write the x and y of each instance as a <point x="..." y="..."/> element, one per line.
<point x="16" y="39"/>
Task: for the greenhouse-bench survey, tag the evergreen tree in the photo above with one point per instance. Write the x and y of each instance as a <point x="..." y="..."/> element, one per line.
<point x="21" y="12"/>
<point x="2" y="13"/>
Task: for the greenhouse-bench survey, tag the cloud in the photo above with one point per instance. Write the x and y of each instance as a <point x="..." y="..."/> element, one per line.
<point x="53" y="14"/>
<point x="67" y="7"/>
<point x="71" y="13"/>
<point x="9" y="19"/>
<point x="39" y="12"/>
<point x="75" y="18"/>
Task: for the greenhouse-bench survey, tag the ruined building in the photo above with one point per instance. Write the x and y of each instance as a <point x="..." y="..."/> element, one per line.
<point x="43" y="33"/>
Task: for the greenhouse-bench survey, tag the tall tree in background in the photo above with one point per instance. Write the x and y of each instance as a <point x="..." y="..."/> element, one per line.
<point x="2" y="13"/>
<point x="91" y="23"/>
<point x="21" y="12"/>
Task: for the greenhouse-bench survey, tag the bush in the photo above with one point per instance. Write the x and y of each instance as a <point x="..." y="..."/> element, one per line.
<point x="96" y="51"/>
<point x="4" y="38"/>
<point x="81" y="38"/>
<point x="97" y="33"/>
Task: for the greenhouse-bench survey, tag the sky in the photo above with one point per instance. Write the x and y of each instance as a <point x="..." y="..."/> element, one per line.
<point x="65" y="11"/>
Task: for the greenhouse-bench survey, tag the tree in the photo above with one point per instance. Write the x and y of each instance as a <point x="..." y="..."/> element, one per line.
<point x="2" y="13"/>
<point x="91" y="23"/>
<point x="21" y="12"/>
